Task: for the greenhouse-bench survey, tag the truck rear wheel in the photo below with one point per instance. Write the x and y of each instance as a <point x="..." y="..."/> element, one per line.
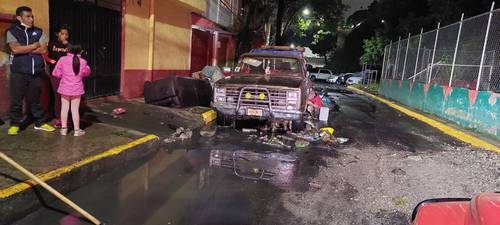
<point x="298" y="125"/>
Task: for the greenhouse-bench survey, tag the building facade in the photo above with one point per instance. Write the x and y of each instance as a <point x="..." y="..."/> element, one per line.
<point x="128" y="42"/>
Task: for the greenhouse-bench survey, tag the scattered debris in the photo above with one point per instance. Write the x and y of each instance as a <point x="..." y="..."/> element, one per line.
<point x="252" y="137"/>
<point x="400" y="200"/>
<point x="301" y="144"/>
<point x="119" y="111"/>
<point x="181" y="134"/>
<point x="286" y="138"/>
<point x="248" y="130"/>
<point x="342" y="140"/>
<point x="208" y="133"/>
<point x="276" y="142"/>
<point x="415" y="157"/>
<point x="329" y="130"/>
<point x="315" y="185"/>
<point x="398" y="171"/>
<point x="311" y="125"/>
<point x="309" y="136"/>
<point x="323" y="114"/>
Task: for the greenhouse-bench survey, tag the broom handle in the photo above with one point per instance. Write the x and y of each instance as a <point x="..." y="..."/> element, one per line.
<point x="50" y="189"/>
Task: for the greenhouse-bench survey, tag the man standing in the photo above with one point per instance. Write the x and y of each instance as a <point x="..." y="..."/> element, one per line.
<point x="27" y="44"/>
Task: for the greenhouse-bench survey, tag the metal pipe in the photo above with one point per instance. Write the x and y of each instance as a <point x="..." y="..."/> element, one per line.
<point x="388" y="60"/>
<point x="383" y="62"/>
<point x="434" y="53"/>
<point x="456" y="50"/>
<point x="418" y="54"/>
<point x="484" y="46"/>
<point x="396" y="61"/>
<point x="406" y="56"/>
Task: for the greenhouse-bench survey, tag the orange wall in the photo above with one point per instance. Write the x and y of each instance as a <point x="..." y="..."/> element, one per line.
<point x="169" y="51"/>
<point x="136" y="35"/>
<point x="8" y="7"/>
<point x="172" y="36"/>
<point x="40" y="10"/>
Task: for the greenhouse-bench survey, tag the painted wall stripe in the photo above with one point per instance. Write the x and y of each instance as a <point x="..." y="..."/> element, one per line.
<point x="66" y="169"/>
<point x="474" y="141"/>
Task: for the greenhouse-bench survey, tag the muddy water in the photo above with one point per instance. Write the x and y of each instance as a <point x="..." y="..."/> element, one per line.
<point x="224" y="179"/>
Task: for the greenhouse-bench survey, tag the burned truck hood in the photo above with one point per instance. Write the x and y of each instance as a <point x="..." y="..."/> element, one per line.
<point x="283" y="81"/>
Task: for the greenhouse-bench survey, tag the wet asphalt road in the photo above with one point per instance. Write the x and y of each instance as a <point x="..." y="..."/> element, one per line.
<point x="229" y="179"/>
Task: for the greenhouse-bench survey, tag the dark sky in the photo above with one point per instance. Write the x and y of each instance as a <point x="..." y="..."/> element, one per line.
<point x="355" y="5"/>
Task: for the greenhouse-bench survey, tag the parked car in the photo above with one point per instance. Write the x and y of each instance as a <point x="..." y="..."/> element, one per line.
<point x="321" y="74"/>
<point x="354" y="80"/>
<point x="340" y="79"/>
<point x="332" y="79"/>
<point x="268" y="84"/>
<point x="483" y="209"/>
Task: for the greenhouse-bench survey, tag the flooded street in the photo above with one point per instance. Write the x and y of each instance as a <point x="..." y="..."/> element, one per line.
<point x="231" y="178"/>
<point x="226" y="179"/>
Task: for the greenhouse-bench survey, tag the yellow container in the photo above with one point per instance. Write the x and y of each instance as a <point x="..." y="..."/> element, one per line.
<point x="209" y="116"/>
<point x="328" y="130"/>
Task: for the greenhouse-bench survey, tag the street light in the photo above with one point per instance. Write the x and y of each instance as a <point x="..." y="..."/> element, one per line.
<point x="292" y="46"/>
<point x="382" y="21"/>
<point x="306" y="12"/>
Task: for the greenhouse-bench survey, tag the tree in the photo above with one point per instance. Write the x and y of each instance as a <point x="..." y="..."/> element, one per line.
<point x="288" y="12"/>
<point x="373" y="50"/>
<point x="319" y="30"/>
<point x="249" y="25"/>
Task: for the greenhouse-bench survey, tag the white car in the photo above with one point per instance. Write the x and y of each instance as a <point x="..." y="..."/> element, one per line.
<point x="321" y="74"/>
<point x="337" y="79"/>
<point x="354" y="80"/>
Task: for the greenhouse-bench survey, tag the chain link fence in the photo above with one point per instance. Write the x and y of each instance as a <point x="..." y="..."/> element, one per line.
<point x="464" y="54"/>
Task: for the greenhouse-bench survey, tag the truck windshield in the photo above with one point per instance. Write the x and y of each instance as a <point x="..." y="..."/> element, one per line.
<point x="268" y="65"/>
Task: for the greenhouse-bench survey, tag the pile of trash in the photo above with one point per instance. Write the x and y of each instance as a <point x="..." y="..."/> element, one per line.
<point x="181" y="134"/>
<point x="300" y="140"/>
<point x="212" y="73"/>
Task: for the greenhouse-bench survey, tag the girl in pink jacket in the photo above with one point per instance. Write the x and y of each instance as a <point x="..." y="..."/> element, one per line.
<point x="71" y="69"/>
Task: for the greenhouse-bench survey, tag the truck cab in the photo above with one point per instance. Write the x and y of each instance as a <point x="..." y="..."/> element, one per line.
<point x="268" y="84"/>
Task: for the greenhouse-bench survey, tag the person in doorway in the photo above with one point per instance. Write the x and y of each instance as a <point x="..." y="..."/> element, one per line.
<point x="71" y="69"/>
<point x="56" y="50"/>
<point x="27" y="44"/>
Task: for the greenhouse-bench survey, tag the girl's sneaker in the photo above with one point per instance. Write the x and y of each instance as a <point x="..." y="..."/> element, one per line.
<point x="79" y="132"/>
<point x="64" y="131"/>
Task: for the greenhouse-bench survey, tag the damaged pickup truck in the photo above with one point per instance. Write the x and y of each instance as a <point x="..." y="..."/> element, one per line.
<point x="268" y="84"/>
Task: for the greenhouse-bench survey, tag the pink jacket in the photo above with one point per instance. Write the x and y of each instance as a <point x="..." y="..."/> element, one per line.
<point x="70" y="84"/>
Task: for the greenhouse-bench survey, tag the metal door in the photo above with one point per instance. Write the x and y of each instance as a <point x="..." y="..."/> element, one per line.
<point x="96" y="25"/>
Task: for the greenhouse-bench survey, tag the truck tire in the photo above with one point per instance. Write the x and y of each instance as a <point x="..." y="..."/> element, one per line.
<point x="298" y="126"/>
<point x="224" y="120"/>
<point x="313" y="78"/>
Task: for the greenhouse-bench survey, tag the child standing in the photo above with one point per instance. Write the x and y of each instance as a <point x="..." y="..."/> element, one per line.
<point x="55" y="51"/>
<point x="71" y="69"/>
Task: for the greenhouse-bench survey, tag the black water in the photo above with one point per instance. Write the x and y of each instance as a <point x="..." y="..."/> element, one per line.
<point x="224" y="179"/>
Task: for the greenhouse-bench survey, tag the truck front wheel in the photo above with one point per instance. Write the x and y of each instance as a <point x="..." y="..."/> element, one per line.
<point x="298" y="125"/>
<point x="224" y="120"/>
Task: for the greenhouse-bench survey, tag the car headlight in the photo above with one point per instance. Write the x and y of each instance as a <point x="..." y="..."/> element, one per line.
<point x="292" y="99"/>
<point x="220" y="91"/>
<point x="220" y="94"/>
<point x="291" y="95"/>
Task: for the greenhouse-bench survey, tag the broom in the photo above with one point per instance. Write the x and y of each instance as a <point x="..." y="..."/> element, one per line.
<point x="50" y="189"/>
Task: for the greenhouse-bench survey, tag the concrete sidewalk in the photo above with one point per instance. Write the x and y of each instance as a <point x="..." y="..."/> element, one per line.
<point x="151" y="119"/>
<point x="68" y="162"/>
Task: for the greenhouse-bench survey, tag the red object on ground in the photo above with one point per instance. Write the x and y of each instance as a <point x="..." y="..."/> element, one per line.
<point x="119" y="111"/>
<point x="483" y="209"/>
